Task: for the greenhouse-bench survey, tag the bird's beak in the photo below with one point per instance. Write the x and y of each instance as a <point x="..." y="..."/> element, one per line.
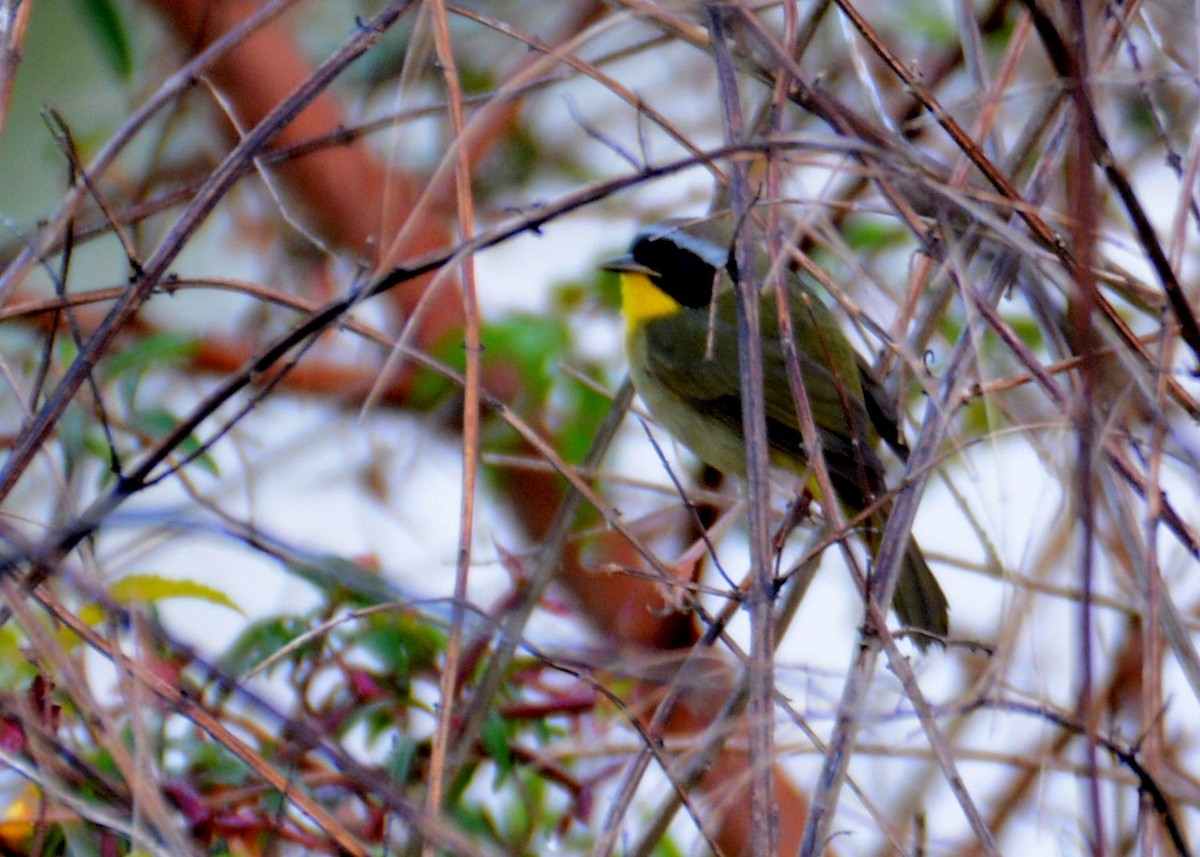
<point x="626" y="265"/>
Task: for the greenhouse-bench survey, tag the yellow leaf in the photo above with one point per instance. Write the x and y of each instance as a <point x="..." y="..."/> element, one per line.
<point x="150" y="588"/>
<point x="18" y="818"/>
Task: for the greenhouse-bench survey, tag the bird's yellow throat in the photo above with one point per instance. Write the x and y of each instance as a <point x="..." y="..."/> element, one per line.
<point x="641" y="300"/>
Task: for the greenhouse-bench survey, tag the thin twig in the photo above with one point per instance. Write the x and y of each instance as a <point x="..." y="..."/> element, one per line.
<point x="217" y="184"/>
<point x="761" y="596"/>
<point x="444" y="741"/>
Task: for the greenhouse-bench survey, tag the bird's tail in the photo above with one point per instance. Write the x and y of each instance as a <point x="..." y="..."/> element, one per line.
<point x="919" y="601"/>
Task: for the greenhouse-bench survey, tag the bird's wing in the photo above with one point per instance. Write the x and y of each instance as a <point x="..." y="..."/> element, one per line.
<point x="711" y="384"/>
<point x="882" y="410"/>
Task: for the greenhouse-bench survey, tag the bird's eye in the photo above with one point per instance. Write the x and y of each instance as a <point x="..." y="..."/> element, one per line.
<point x="681" y="273"/>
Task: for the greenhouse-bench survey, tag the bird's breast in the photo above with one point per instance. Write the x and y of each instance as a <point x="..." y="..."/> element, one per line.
<point x="709" y="438"/>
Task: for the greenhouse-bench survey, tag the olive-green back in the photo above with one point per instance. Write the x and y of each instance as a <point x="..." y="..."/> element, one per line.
<point x="828" y="364"/>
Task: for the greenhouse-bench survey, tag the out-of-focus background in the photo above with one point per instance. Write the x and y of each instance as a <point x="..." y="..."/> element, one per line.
<point x="314" y="537"/>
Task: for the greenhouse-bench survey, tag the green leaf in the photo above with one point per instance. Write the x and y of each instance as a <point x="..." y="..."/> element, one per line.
<point x="495" y="739"/>
<point x="533" y="345"/>
<point x="157" y="423"/>
<point x="476" y="78"/>
<point x="15" y="668"/>
<point x="155" y="351"/>
<point x="263" y="639"/>
<point x="403" y="758"/>
<point x="344" y="580"/>
<point x="73" y="437"/>
<point x="667" y="847"/>
<point x="575" y="420"/>
<point x="473" y="820"/>
<point x="207" y="762"/>
<point x="110" y="32"/>
<point x="150" y="589"/>
<point x="430" y="388"/>
<point x="873" y="235"/>
<point x="404" y="643"/>
<point x="1029" y="331"/>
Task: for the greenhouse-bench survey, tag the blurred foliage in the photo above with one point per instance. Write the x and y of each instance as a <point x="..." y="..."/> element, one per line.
<point x="340" y="695"/>
<point x="104" y="19"/>
<point x="366" y="676"/>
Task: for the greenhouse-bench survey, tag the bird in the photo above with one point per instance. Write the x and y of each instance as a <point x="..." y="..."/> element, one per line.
<point x="683" y="360"/>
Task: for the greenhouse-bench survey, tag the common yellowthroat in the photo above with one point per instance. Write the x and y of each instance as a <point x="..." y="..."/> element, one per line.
<point x="669" y="278"/>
